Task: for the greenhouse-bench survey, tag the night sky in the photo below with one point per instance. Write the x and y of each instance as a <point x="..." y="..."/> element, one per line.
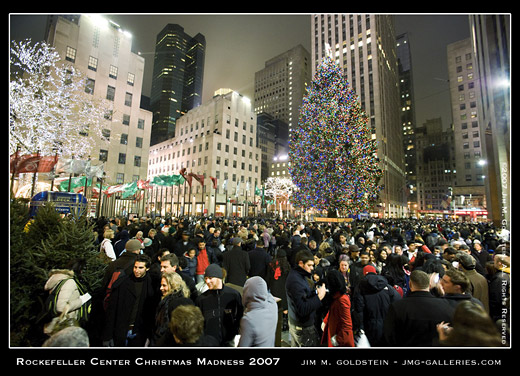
<point x="238" y="46"/>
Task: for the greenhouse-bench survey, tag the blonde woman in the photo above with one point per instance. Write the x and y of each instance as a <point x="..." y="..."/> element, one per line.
<point x="174" y="292"/>
<point x="106" y="245"/>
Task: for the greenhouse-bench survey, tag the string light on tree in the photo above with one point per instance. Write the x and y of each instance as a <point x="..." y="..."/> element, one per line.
<point x="334" y="162"/>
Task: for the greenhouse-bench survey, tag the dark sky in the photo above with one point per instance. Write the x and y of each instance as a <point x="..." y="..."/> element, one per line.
<point x="239" y="45"/>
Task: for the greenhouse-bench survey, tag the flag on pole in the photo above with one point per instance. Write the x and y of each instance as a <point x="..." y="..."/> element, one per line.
<point x="31" y="163"/>
<point x="224" y="185"/>
<point x="94" y="171"/>
<point x="214" y="180"/>
<point x="199" y="178"/>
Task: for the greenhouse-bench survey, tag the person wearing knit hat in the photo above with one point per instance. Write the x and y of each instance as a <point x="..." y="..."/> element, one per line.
<point x="133" y="245"/>
<point x="479" y="287"/>
<point x="213" y="271"/>
<point x="370" y="303"/>
<point x="221" y="307"/>
<point x="369" y="269"/>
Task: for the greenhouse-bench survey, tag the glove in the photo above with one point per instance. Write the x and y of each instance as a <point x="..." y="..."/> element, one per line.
<point x="109" y="343"/>
<point x="85" y="298"/>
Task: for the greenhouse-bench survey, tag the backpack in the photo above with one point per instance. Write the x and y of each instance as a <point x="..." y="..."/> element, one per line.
<point x="49" y="310"/>
<point x="108" y="292"/>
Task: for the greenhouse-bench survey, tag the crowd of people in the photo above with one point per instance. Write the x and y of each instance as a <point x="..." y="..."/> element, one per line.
<point x="227" y="282"/>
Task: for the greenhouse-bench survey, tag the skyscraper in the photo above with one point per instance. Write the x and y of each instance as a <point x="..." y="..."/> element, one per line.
<point x="491" y="40"/>
<point x="464" y="86"/>
<point x="408" y="121"/>
<point x="365" y="46"/>
<point x="177" y="79"/>
<point x="281" y="85"/>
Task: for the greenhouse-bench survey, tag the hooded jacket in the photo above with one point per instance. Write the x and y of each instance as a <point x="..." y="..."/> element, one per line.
<point x="371" y="302"/>
<point x="258" y="325"/>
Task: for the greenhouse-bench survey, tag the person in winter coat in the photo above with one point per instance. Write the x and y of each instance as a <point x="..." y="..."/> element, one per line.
<point x="131" y="308"/>
<point x="71" y="296"/>
<point x="119" y="245"/>
<point x="204" y="258"/>
<point x="371" y="302"/>
<point x="106" y="245"/>
<point x="499" y="288"/>
<point x="412" y="321"/>
<point x="237" y="264"/>
<point x="277" y="273"/>
<point x="259" y="260"/>
<point x="478" y="283"/>
<point x="337" y="324"/>
<point x="174" y="292"/>
<point x="303" y="301"/>
<point x="258" y="324"/>
<point x="455" y="285"/>
<point x="221" y="307"/>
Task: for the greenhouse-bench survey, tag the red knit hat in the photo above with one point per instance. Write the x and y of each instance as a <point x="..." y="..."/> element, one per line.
<point x="369" y="269"/>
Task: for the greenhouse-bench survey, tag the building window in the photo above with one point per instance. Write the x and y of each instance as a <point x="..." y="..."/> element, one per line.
<point x="111" y="92"/>
<point x="130" y="79"/>
<point x="92" y="63"/>
<point x="70" y="55"/>
<point x="122" y="158"/>
<point x="124" y="139"/>
<point x="103" y="155"/>
<point x="112" y="73"/>
<point x="140" y="124"/>
<point x="137" y="161"/>
<point x="126" y="119"/>
<point x="128" y="99"/>
<point x="139" y="143"/>
<point x="89" y="86"/>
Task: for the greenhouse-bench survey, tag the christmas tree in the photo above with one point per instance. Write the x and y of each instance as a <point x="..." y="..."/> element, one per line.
<point x="333" y="156"/>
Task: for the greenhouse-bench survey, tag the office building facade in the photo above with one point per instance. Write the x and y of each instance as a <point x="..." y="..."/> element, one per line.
<point x="102" y="50"/>
<point x="281" y="85"/>
<point x="468" y="187"/>
<point x="216" y="139"/>
<point x="491" y="42"/>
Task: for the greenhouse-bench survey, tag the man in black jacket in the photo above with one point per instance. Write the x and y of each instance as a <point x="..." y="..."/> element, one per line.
<point x="131" y="308"/>
<point x="412" y="321"/>
<point x="237" y="264"/>
<point x="303" y="301"/>
<point x="221" y="307"/>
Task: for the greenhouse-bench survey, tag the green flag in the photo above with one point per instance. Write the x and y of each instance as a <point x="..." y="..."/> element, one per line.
<point x="129" y="189"/>
<point x="74" y="183"/>
<point x="167" y="180"/>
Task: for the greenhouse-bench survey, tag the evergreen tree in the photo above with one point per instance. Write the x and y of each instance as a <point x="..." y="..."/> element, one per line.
<point x="49" y="242"/>
<point x="333" y="156"/>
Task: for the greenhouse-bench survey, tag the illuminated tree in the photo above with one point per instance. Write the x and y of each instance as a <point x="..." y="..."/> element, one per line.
<point x="333" y="160"/>
<point x="51" y="109"/>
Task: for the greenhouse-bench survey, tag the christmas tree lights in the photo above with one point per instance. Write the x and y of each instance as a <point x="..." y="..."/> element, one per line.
<point x="333" y="157"/>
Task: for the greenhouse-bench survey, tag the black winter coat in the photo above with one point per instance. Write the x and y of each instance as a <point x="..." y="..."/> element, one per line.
<point x="412" y="321"/>
<point x="370" y="305"/>
<point x="222" y="311"/>
<point x="237" y="265"/>
<point x="122" y="299"/>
